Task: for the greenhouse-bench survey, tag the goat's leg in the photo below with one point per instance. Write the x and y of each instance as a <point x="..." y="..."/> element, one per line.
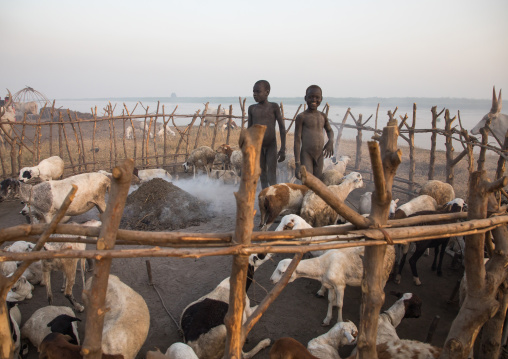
<point x="46" y="278"/>
<point x="82" y="261"/>
<point x="321" y="292"/>
<point x="441" y="256"/>
<point x="405" y="249"/>
<point x="64" y="283"/>
<point x="260" y="346"/>
<point x="329" y="313"/>
<point x="69" y="283"/>
<point x="339" y="300"/>
<point x="412" y="262"/>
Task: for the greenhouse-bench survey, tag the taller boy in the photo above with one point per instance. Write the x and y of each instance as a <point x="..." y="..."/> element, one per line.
<point x="266" y="113"/>
<point x="309" y="125"/>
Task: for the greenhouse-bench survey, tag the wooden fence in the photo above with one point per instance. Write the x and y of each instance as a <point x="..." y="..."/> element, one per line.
<point x="93" y="143"/>
<point x="484" y="291"/>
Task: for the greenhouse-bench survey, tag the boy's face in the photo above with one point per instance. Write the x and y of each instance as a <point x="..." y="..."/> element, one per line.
<point x="313" y="97"/>
<point x="260" y="93"/>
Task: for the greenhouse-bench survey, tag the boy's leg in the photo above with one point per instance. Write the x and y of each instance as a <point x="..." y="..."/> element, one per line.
<point x="262" y="163"/>
<point x="318" y="167"/>
<point x="307" y="161"/>
<point x="271" y="164"/>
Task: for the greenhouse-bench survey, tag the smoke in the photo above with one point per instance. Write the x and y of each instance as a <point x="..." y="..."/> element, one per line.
<point x="219" y="195"/>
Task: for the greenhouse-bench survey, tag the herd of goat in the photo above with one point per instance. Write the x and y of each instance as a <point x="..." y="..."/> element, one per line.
<point x="52" y="330"/>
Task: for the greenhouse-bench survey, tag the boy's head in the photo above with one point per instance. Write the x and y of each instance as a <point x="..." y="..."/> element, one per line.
<point x="261" y="90"/>
<point x="313" y="96"/>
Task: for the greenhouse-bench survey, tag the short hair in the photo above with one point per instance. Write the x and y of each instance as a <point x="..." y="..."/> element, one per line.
<point x="314" y="87"/>
<point x="264" y="83"/>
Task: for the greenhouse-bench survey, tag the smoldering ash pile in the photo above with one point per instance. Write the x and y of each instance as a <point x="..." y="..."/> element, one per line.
<point x="158" y="205"/>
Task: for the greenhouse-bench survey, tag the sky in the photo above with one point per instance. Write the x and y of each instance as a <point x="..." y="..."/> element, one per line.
<point x="112" y="49"/>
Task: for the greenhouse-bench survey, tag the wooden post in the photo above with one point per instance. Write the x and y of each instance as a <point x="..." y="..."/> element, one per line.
<point x="203" y="117"/>
<point x="242" y="108"/>
<point x="250" y="143"/>
<point x="339" y="131"/>
<point x="67" y="143"/>
<point x="384" y="166"/>
<point x="501" y="163"/>
<point x="230" y="119"/>
<point x="143" y="155"/>
<point x="147" y="161"/>
<point x="412" y="161"/>
<point x="215" y="128"/>
<point x="449" y="147"/>
<point x="93" y="137"/>
<point x="114" y="142"/>
<point x="51" y="113"/>
<point x="294" y="118"/>
<point x="133" y="133"/>
<point x="433" y="138"/>
<point x="83" y="142"/>
<point x="483" y="281"/>
<point x="155" y="135"/>
<point x="22" y="139"/>
<point x="123" y="138"/>
<point x="60" y="144"/>
<point x="359" y="141"/>
<point x="95" y="312"/>
<point x="80" y="155"/>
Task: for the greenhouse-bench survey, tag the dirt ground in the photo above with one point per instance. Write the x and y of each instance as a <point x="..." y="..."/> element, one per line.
<point x="296" y="312"/>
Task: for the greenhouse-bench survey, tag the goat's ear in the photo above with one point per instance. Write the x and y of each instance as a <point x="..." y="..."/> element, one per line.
<point x="396" y="200"/>
<point x="75" y="320"/>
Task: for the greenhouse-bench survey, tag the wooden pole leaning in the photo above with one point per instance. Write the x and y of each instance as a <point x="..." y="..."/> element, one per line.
<point x="250" y="143"/>
<point x="95" y="310"/>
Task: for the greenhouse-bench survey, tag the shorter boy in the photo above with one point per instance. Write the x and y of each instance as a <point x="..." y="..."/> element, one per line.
<point x="267" y="113"/>
<point x="309" y="125"/>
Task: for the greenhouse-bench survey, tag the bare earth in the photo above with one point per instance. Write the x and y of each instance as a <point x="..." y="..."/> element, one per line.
<point x="296" y="312"/>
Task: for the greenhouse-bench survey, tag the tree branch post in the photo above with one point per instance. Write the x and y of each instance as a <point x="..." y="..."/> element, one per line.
<point x="250" y="142"/>
<point x="95" y="311"/>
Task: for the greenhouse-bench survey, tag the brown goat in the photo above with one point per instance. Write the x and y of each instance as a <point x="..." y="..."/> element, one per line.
<point x="289" y="348"/>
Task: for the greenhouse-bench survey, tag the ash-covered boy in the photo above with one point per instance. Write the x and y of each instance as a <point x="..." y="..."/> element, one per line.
<point x="267" y="113"/>
<point x="309" y="139"/>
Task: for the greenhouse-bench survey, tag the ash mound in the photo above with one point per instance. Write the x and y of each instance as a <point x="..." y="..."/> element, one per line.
<point x="158" y="205"/>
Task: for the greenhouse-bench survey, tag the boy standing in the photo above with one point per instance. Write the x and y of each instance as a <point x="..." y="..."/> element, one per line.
<point x="266" y="113"/>
<point x="309" y="127"/>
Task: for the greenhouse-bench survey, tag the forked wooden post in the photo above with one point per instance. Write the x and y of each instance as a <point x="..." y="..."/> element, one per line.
<point x="384" y="167"/>
<point x="95" y="311"/>
<point x="250" y="143"/>
<point x="433" y="138"/>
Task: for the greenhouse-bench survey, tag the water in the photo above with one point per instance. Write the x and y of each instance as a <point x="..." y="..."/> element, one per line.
<point x="471" y="111"/>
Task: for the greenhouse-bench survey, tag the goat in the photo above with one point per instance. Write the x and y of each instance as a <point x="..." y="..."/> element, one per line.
<point x="51" y="168"/>
<point x="58" y="346"/>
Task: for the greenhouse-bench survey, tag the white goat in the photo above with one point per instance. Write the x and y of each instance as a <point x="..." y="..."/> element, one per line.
<point x="206" y="333"/>
<point x="334" y="269"/>
<point x="46" y="198"/>
<point x="499" y="124"/>
<point x="20" y="291"/>
<point x="365" y="206"/>
<point x="328" y="344"/>
<point x="417" y="204"/>
<point x="147" y="175"/>
<point x="126" y="323"/>
<point x="169" y="131"/>
<point x="51" y="168"/>
<point x="317" y="213"/>
<point x="337" y="165"/>
<point x="175" y="351"/>
<point x="128" y="133"/>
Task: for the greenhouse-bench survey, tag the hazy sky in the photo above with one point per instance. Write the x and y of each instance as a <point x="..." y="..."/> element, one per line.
<point x="433" y="48"/>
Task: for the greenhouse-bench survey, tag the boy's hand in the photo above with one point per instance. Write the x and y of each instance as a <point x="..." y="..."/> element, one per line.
<point x="328" y="149"/>
<point x="297" y="170"/>
<point x="281" y="156"/>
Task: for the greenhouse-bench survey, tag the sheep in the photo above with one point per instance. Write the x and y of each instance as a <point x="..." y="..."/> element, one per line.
<point x="50" y="319"/>
<point x="440" y="191"/>
<point x="237" y="162"/>
<point x="46" y="198"/>
<point x="334" y="269"/>
<point x="366" y="204"/>
<point x="327" y="345"/>
<point x="227" y="176"/>
<point x="9" y="267"/>
<point x="202" y="156"/>
<point x="175" y="351"/>
<point x="20" y="291"/>
<point x="202" y="322"/>
<point x="317" y="213"/>
<point x="149" y="174"/>
<point x="127" y="322"/>
<point x="169" y="131"/>
<point x="283" y="198"/>
<point x="422" y="246"/>
<point x="57" y="346"/>
<point x="339" y="166"/>
<point x="48" y="169"/>
<point x="332" y="177"/>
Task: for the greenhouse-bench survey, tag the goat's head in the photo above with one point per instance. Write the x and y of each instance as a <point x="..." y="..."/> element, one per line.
<point x="9" y="189"/>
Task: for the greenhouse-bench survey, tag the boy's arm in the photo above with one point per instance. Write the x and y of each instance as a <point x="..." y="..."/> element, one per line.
<point x="249" y="117"/>
<point x="298" y="142"/>
<point x="328" y="149"/>
<point x="282" y="132"/>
